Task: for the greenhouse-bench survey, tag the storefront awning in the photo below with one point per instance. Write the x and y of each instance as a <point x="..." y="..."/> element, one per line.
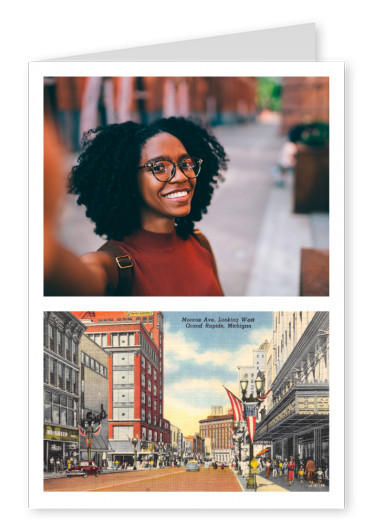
<point x="263" y="451"/>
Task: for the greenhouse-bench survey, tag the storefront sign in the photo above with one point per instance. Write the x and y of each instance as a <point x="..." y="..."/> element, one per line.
<point x="58" y="433"/>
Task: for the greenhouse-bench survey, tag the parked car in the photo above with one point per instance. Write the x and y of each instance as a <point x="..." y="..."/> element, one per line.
<point x="85" y="469"/>
<point x="192" y="466"/>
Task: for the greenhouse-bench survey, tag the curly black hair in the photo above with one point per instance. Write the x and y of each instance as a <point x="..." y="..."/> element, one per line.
<point x="105" y="176"/>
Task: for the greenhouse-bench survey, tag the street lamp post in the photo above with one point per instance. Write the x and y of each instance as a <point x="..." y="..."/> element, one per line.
<point x="134" y="442"/>
<point x="251" y="483"/>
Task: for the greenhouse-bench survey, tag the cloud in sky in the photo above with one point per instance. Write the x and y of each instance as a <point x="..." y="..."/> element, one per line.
<point x="198" y="363"/>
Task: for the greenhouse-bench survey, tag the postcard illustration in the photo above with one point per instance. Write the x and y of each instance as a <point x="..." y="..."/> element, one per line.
<point x="186" y="401"/>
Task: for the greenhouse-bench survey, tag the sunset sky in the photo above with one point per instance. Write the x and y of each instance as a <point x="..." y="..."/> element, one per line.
<point x="198" y="362"/>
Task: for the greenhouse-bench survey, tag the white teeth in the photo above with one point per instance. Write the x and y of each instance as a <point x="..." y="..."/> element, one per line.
<point x="177" y="194"/>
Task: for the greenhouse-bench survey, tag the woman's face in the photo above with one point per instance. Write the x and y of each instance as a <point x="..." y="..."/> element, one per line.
<point x="164" y="200"/>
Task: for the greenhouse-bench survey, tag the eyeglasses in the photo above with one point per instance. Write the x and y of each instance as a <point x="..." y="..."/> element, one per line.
<point x="165" y="170"/>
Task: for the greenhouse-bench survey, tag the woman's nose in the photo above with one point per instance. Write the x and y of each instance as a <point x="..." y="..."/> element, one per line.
<point x="178" y="175"/>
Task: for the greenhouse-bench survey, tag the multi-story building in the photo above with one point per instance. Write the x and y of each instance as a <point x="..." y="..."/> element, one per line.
<point x="297" y="419"/>
<point x="134" y="344"/>
<point x="62" y="333"/>
<point x="94" y="398"/>
<point x="219" y="429"/>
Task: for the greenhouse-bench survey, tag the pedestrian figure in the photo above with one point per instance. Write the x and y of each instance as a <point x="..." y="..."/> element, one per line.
<point x="301" y="475"/>
<point x="57" y="465"/>
<point x="68" y="463"/>
<point x="275" y="468"/>
<point x="116" y="464"/>
<point x="320" y="474"/>
<point x="285" y="469"/>
<point x="52" y="464"/>
<point x="291" y="470"/>
<point x="268" y="468"/>
<point x="222" y="466"/>
<point x="280" y="466"/>
<point x="122" y="465"/>
<point x="310" y="469"/>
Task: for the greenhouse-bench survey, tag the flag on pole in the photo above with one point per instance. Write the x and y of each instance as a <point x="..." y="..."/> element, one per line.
<point x="236" y="404"/>
<point x="250" y="415"/>
<point x="262" y="397"/>
<point x="82" y="431"/>
<point x="97" y="430"/>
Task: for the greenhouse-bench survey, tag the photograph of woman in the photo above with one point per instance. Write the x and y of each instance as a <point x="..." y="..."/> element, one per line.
<point x="144" y="186"/>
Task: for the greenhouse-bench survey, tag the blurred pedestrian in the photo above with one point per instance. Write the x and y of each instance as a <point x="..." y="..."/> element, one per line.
<point x="310" y="469"/>
<point x="285" y="469"/>
<point x="320" y="475"/>
<point x="275" y="468"/>
<point x="301" y="474"/>
<point x="280" y="468"/>
<point x="268" y="466"/>
<point x="291" y="470"/>
<point x="52" y="464"/>
<point x="143" y="187"/>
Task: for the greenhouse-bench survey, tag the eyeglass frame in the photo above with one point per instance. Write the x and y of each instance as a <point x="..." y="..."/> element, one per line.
<point x="173" y="171"/>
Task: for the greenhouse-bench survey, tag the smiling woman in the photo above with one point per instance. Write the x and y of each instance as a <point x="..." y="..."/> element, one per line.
<point x="144" y="187"/>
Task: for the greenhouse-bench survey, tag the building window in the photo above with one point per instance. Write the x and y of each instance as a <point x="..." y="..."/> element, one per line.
<point x="143" y="414"/>
<point x="123" y="413"/>
<point x="51" y="343"/>
<point x="143" y="362"/>
<point x="155" y="390"/>
<point x="143" y="379"/>
<point x="123" y="377"/>
<point x="123" y="433"/>
<point x="149" y="385"/>
<point x="123" y="395"/>
<point x="149" y="417"/>
<point x="59" y="342"/>
<point x="143" y="397"/>
<point x="123" y="358"/>
<point x="149" y="368"/>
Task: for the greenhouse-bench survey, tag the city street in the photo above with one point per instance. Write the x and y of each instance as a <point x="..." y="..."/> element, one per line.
<point x="156" y="480"/>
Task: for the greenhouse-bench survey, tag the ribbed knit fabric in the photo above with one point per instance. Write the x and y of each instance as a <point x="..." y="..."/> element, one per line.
<point x="166" y="265"/>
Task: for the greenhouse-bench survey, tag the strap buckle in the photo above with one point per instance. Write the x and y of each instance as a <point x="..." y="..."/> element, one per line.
<point x="128" y="259"/>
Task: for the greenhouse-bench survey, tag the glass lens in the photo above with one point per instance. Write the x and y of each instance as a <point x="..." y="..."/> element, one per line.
<point x="190" y="166"/>
<point x="162" y="169"/>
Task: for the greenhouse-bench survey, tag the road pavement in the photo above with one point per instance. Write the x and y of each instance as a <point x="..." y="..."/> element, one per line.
<point x="155" y="480"/>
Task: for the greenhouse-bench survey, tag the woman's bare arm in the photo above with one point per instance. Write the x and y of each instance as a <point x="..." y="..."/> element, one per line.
<point x="67" y="274"/>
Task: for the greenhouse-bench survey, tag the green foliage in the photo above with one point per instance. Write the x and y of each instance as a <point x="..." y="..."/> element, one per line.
<point x="269" y="91"/>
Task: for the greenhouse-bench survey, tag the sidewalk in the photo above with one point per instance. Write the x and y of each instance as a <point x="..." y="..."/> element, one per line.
<point x="263" y="484"/>
<point x="276" y="265"/>
<point x="279" y="484"/>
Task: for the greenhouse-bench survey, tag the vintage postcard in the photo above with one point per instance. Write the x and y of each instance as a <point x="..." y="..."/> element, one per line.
<point x="189" y="402"/>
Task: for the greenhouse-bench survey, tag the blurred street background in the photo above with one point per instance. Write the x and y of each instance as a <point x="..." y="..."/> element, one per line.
<point x="268" y="222"/>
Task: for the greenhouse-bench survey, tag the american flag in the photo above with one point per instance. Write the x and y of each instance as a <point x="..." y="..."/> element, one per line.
<point x="250" y="415"/>
<point x="262" y="397"/>
<point x="97" y="430"/>
<point x="236" y="404"/>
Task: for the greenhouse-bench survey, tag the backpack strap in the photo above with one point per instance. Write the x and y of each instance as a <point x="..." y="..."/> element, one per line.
<point x="124" y="265"/>
<point x="204" y="242"/>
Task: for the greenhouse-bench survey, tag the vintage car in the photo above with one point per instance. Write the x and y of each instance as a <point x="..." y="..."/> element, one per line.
<point x="84" y="469"/>
<point x="192" y="466"/>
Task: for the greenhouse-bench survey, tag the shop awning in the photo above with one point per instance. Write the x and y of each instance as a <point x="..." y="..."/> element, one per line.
<point x="263" y="451"/>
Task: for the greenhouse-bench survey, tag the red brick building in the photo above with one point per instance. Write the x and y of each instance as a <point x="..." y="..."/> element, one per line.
<point x="134" y="343"/>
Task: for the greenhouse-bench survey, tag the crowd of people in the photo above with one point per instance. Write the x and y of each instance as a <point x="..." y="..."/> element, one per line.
<point x="299" y="469"/>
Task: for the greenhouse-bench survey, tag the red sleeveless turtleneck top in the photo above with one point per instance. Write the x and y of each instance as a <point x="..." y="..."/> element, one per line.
<point x="166" y="265"/>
